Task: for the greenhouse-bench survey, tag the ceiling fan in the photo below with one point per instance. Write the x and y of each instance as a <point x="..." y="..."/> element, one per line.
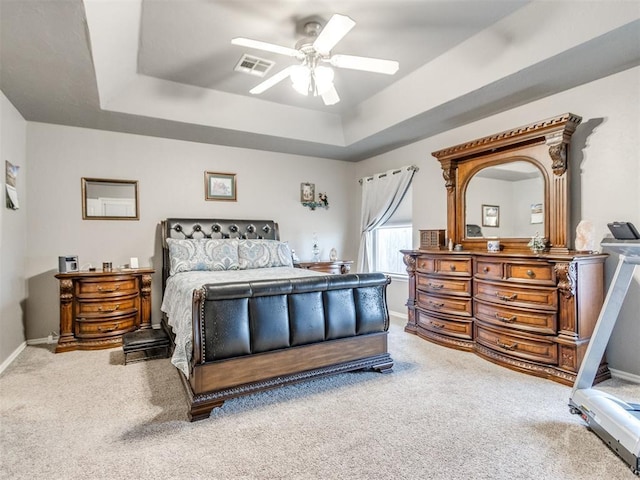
<point x="311" y="77"/>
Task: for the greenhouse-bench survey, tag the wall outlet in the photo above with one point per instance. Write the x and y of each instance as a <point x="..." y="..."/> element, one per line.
<point x="50" y="339"/>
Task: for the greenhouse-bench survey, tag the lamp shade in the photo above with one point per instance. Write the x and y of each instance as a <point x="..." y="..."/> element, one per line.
<point x="301" y="78"/>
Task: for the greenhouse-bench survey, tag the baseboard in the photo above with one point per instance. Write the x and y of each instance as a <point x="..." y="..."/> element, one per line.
<point x="630" y="377"/>
<point x="401" y="316"/>
<point x="13" y="356"/>
<point x="39" y="341"/>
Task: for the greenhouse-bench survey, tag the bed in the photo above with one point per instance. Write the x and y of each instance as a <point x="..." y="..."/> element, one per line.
<point x="242" y="319"/>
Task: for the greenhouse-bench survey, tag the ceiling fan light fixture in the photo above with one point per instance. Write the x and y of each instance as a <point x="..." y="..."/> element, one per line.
<point x="315" y="81"/>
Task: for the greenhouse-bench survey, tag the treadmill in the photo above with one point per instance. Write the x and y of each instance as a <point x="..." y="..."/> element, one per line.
<point x="616" y="422"/>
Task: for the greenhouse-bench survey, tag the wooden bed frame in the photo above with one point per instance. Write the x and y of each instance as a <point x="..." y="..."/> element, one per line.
<point x="213" y="380"/>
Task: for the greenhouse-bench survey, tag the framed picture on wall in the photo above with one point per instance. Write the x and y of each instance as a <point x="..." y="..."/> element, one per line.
<point x="220" y="186"/>
<point x="490" y="216"/>
<point x="307" y="192"/>
<point x="537" y="216"/>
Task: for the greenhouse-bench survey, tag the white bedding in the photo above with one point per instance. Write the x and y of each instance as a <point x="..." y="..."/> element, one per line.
<point x="176" y="302"/>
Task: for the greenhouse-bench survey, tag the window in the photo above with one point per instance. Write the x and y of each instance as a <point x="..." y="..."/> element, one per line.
<point x="387" y="243"/>
<point x="395" y="235"/>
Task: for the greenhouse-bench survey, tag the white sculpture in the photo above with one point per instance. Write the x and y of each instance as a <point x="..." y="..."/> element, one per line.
<point x="585" y="237"/>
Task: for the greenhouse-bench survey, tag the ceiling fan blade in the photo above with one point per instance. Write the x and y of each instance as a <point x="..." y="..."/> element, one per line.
<point x="330" y="97"/>
<point x="271" y="81"/>
<point x="269" y="47"/>
<point x="337" y="27"/>
<point x="377" y="65"/>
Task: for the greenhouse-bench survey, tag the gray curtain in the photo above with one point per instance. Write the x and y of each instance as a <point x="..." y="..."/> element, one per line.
<point x="381" y="195"/>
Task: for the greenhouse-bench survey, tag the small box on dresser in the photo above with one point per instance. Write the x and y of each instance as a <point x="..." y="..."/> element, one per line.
<point x="98" y="308"/>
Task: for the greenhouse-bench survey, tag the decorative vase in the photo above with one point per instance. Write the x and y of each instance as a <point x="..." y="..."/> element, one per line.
<point x="316" y="253"/>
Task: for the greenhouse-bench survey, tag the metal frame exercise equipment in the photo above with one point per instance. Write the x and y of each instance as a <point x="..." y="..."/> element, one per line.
<point x="616" y="422"/>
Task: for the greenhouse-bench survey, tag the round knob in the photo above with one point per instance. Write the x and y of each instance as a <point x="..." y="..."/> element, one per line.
<point x="530" y="274"/>
<point x="485" y="269"/>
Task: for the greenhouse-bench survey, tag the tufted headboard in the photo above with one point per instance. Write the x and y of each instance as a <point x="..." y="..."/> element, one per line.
<point x="182" y="228"/>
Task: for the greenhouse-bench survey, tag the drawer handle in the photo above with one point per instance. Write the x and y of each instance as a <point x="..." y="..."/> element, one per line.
<point x="452" y="268"/>
<point x="436" y="305"/>
<point x="109" y="310"/>
<point x="505" y="297"/>
<point x="437" y="325"/>
<point x="108" y="329"/>
<point x="531" y="274"/>
<point x="505" y="346"/>
<point x="506" y="319"/>
<point x="435" y="286"/>
<point x="486" y="269"/>
<point x="108" y="290"/>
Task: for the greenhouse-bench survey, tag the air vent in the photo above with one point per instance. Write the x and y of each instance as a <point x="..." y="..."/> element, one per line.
<point x="253" y="65"/>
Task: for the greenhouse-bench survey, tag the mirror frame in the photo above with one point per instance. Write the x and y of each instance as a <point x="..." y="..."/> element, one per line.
<point x="85" y="181"/>
<point x="544" y="144"/>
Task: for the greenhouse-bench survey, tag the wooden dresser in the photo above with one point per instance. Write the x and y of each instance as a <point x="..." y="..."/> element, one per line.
<point x="97" y="308"/>
<point x="334" y="267"/>
<point x="532" y="313"/>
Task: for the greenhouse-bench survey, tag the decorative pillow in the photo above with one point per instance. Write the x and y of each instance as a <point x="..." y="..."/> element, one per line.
<point x="202" y="254"/>
<point x="263" y="253"/>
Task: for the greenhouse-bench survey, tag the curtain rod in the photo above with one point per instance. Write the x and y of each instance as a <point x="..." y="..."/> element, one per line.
<point x="381" y="175"/>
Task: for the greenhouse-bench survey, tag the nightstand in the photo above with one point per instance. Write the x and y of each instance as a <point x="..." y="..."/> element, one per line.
<point x="98" y="308"/>
<point x="335" y="267"/>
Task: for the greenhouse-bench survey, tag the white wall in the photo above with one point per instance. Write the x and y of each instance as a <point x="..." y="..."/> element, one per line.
<point x="13" y="231"/>
<point x="171" y="184"/>
<point x="604" y="163"/>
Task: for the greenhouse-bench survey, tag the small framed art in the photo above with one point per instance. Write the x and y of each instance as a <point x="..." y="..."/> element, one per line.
<point x="490" y="216"/>
<point x="220" y="186"/>
<point x="307" y="192"/>
<point x="537" y="214"/>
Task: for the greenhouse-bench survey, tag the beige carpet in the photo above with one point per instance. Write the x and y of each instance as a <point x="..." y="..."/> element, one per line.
<point x="442" y="414"/>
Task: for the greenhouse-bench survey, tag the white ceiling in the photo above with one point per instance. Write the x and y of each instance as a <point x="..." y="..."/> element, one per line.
<point x="165" y="67"/>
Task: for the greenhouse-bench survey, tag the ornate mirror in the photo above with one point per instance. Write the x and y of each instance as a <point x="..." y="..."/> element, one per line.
<point x="505" y="201"/>
<point x="510" y="186"/>
<point x="104" y="199"/>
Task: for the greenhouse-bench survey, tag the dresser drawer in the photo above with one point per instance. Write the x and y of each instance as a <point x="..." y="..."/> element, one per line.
<point x="445" y="265"/>
<point x="450" y="305"/>
<point x="489" y="269"/>
<point x="516" y="295"/>
<point x="536" y="349"/>
<point x="90" y="287"/>
<point x="539" y="273"/>
<point x="106" y="307"/>
<point x="426" y="264"/>
<point x="444" y="285"/>
<point x="459" y="328"/>
<point x="86" y="328"/>
<point x="526" y="320"/>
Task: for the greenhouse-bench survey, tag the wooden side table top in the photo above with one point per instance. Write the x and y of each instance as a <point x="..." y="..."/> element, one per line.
<point x="331" y="266"/>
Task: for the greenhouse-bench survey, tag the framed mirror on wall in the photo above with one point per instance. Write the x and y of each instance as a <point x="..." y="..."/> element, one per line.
<point x="511" y="186"/>
<point x="108" y="199"/>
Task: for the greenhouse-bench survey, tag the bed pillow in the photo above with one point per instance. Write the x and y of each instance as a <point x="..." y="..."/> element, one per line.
<point x="263" y="253"/>
<point x="202" y="254"/>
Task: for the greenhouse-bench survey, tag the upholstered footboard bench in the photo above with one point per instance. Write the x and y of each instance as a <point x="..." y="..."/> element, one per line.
<point x="252" y="336"/>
